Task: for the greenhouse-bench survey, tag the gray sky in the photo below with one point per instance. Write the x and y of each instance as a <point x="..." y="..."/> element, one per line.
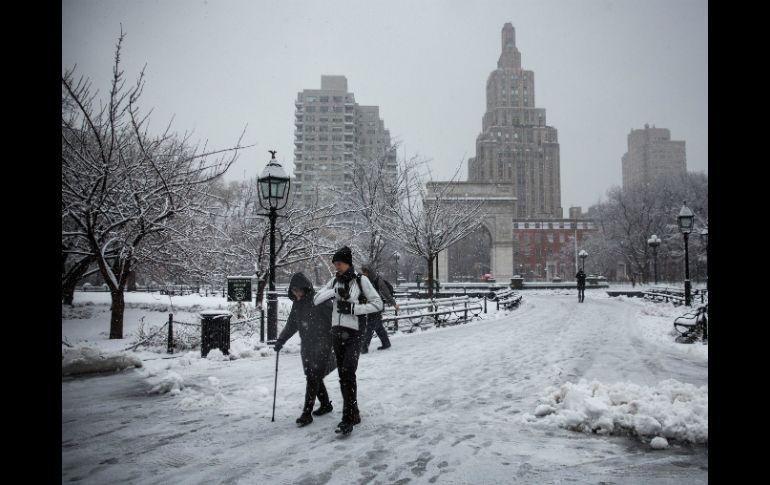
<point x="602" y="67"/>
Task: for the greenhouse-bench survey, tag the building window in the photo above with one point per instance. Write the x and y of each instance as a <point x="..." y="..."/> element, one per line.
<point x="310" y="99"/>
<point x="324" y="109"/>
<point x="561" y="238"/>
<point x="324" y="99"/>
<point x="310" y="109"/>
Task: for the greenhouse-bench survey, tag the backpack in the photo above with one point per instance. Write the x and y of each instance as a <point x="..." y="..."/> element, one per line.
<point x="390" y="287"/>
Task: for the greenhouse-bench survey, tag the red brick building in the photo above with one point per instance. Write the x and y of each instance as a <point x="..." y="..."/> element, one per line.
<point x="546" y="248"/>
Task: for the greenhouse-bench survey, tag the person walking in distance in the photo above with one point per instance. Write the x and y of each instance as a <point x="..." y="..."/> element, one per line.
<point x="352" y="295"/>
<point x="314" y="323"/>
<point x="581" y="285"/>
<point x="373" y="321"/>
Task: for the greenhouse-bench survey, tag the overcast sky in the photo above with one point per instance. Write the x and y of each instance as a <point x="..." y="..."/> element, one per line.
<point x="602" y="67"/>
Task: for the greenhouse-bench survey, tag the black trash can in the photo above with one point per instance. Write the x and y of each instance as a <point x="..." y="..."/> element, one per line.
<point x="215" y="331"/>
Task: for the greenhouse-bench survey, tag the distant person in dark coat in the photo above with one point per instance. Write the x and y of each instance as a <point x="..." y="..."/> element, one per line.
<point x="314" y="324"/>
<point x="581" y="285"/>
<point x="373" y="321"/>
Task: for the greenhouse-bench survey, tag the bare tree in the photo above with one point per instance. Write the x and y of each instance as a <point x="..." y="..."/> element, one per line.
<point x="627" y="219"/>
<point x="430" y="217"/>
<point x="121" y="186"/>
<point x="376" y="185"/>
<point x="304" y="234"/>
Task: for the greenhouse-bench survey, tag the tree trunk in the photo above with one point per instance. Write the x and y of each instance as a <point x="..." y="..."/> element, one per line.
<point x="71" y="280"/>
<point x="68" y="291"/>
<point x="132" y="280"/>
<point x="116" y="318"/>
<point x="261" y="288"/>
<point x="430" y="275"/>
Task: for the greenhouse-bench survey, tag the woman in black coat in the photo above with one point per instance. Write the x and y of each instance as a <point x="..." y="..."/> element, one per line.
<point x="314" y="326"/>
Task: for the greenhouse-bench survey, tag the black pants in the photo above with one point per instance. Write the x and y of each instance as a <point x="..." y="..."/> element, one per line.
<point x="347" y="349"/>
<point x="374" y="324"/>
<point x="314" y="387"/>
<point x="581" y="293"/>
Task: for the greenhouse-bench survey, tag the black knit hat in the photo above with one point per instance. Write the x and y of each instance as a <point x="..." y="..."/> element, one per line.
<point x="344" y="254"/>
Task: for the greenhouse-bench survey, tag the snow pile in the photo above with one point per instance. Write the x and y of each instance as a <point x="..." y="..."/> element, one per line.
<point x="84" y="360"/>
<point x="672" y="409"/>
<point x="659" y="443"/>
<point x="172" y="383"/>
<point x="216" y="355"/>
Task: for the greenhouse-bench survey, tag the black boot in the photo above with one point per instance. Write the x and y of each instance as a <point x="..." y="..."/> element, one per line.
<point x="305" y="419"/>
<point x="344" y="427"/>
<point x="325" y="408"/>
<point x="384" y="347"/>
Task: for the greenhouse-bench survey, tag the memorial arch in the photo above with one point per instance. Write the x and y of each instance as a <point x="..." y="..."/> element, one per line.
<point x="494" y="242"/>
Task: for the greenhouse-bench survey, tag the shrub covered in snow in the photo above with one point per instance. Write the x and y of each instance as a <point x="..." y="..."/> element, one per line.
<point x="672" y="409"/>
<point x="86" y="360"/>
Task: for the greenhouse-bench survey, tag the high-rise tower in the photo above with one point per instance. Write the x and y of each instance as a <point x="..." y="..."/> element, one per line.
<point x="332" y="133"/>
<point x="652" y="155"/>
<point x="515" y="145"/>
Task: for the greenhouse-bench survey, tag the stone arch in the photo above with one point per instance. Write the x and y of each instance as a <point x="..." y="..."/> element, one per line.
<point x="472" y="256"/>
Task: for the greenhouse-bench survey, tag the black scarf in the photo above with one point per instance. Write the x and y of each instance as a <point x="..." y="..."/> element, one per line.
<point x="346" y="277"/>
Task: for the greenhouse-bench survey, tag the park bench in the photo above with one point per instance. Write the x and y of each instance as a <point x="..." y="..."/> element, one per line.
<point x="507" y="298"/>
<point x="692" y="325"/>
<point x="438" y="312"/>
<point x="675" y="295"/>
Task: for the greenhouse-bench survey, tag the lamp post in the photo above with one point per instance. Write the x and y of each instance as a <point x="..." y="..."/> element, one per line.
<point x="654" y="242"/>
<point x="273" y="194"/>
<point x="397" y="256"/>
<point x="583" y="255"/>
<point x="685" y="220"/>
<point x="704" y="236"/>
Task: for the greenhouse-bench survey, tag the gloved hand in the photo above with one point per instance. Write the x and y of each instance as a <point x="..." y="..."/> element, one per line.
<point x="278" y="346"/>
<point x="343" y="293"/>
<point x="344" y="307"/>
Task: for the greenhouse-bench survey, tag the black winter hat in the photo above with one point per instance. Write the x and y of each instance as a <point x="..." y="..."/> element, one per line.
<point x="343" y="254"/>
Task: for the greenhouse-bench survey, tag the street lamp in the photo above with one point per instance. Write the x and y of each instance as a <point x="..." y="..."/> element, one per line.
<point x="654" y="242"/>
<point x="582" y="255"/>
<point x="685" y="220"/>
<point x="273" y="187"/>
<point x="397" y="255"/>
<point x="704" y="236"/>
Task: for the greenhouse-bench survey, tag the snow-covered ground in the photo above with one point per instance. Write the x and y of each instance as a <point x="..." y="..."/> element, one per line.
<point x="552" y="392"/>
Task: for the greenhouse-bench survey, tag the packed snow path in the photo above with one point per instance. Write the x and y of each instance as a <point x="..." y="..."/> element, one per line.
<point x="442" y="406"/>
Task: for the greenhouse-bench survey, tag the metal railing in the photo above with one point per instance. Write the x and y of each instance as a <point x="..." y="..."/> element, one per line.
<point x="674" y="294"/>
<point x="437" y="312"/>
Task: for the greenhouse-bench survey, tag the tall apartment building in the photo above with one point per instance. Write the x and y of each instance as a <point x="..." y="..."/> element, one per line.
<point x="652" y="154"/>
<point x="332" y="132"/>
<point x="515" y="145"/>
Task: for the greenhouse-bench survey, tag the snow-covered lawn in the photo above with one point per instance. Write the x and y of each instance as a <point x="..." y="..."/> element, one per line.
<point x="492" y="401"/>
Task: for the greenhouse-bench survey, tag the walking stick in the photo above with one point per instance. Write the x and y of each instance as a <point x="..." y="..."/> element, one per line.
<point x="275" y="386"/>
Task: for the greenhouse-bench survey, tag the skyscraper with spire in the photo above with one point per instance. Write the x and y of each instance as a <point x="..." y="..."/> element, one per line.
<point x="515" y="145"/>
